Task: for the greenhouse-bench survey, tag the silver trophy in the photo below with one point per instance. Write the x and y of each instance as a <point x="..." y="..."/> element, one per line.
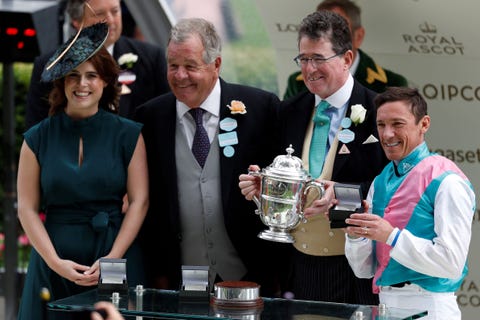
<point x="283" y="191"/>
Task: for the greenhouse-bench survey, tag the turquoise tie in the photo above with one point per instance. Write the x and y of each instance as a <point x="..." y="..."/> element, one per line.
<point x="318" y="145"/>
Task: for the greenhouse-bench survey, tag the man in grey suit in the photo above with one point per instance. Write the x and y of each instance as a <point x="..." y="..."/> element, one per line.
<point x="319" y="269"/>
<point x="144" y="79"/>
<point x="199" y="139"/>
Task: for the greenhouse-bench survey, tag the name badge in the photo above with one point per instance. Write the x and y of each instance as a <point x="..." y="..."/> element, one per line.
<point x="346" y="136"/>
<point x="228" y="151"/>
<point x="227" y="139"/>
<point x="346" y="123"/>
<point x="228" y="124"/>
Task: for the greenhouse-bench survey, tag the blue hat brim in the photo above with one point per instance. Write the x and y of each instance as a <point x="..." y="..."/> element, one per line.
<point x="89" y="41"/>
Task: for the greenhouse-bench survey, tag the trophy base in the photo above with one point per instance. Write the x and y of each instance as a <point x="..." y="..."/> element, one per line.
<point x="277" y="236"/>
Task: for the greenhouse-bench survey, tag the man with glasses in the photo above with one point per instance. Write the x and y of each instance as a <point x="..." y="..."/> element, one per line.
<point x="341" y="146"/>
<point x="364" y="68"/>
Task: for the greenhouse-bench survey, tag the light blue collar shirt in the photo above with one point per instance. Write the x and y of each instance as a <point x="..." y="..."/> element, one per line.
<point x="338" y="107"/>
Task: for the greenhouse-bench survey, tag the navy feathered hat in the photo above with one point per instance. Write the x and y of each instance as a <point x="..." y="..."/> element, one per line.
<point x="75" y="51"/>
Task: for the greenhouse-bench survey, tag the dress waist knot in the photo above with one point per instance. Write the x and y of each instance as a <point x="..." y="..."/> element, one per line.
<point x="99" y="220"/>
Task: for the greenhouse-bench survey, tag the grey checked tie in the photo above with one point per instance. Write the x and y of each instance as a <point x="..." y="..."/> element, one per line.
<point x="201" y="144"/>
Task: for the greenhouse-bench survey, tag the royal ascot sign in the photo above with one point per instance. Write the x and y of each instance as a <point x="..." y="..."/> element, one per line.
<point x="430" y="41"/>
<point x="439" y="53"/>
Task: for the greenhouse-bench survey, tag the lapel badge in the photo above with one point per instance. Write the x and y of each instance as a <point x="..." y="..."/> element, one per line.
<point x="370" y="139"/>
<point x="344" y="150"/>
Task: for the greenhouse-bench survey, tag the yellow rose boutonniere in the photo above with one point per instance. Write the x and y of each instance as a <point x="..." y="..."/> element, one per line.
<point x="237" y="106"/>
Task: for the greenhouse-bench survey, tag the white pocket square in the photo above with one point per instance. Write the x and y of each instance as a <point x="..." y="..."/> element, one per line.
<point x="370" y="139"/>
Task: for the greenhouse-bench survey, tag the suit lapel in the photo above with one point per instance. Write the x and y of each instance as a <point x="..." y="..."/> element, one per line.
<point x="165" y="144"/>
<point x="226" y="163"/>
<point x="120" y="47"/>
<point x="357" y="97"/>
<point x="166" y="139"/>
<point x="295" y="123"/>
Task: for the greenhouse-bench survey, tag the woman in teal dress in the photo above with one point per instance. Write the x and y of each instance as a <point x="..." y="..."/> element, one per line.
<point x="78" y="164"/>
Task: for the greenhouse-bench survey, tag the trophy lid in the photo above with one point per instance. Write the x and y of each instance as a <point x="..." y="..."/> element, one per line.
<point x="287" y="166"/>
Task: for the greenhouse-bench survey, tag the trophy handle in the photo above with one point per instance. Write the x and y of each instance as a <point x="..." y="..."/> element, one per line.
<point x="255" y="199"/>
<point x="319" y="186"/>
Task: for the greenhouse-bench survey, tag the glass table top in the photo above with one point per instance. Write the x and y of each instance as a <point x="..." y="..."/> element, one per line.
<point x="165" y="304"/>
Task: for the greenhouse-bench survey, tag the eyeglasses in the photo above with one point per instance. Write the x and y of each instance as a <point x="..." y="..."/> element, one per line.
<point x="316" y="61"/>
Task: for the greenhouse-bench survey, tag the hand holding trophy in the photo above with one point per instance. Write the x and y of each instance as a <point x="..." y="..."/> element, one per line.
<point x="283" y="190"/>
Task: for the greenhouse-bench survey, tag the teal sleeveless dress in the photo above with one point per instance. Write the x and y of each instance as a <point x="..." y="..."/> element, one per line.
<point x="82" y="201"/>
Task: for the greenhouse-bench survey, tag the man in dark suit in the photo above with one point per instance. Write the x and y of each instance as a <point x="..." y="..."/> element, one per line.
<point x="364" y="69"/>
<point x="351" y="153"/>
<point x="144" y="79"/>
<point x="197" y="215"/>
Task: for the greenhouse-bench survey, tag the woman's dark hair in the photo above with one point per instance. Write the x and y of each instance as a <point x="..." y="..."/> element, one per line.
<point x="108" y="71"/>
